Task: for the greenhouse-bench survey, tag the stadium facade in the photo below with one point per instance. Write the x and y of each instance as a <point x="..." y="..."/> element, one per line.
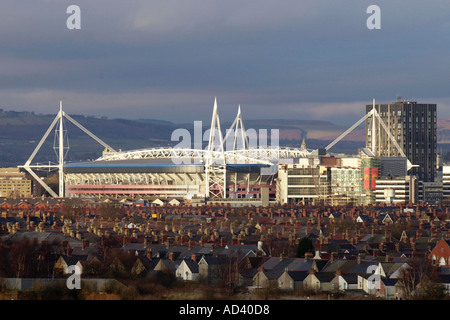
<point x="162" y="178"/>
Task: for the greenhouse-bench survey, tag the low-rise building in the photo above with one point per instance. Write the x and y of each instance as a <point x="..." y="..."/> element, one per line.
<point x="446" y="184"/>
<point x="14" y="184"/>
<point x="319" y="281"/>
<point x="440" y="255"/>
<point x="187" y="270"/>
<point x="292" y="280"/>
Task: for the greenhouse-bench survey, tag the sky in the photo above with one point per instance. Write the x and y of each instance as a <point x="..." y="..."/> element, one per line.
<point x="169" y="59"/>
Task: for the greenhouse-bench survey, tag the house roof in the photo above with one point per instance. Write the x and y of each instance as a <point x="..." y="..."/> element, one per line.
<point x="210" y="260"/>
<point x="255" y="262"/>
<point x="283" y="263"/>
<point x="391" y="267"/>
<point x="171" y="265"/>
<point x="301" y="265"/>
<point x="444" y="278"/>
<point x="297" y="275"/>
<point x="444" y="271"/>
<point x="325" y="276"/>
<point x="320" y="264"/>
<point x="362" y="267"/>
<point x="350" y="278"/>
<point x="273" y="274"/>
<point x="344" y="265"/>
<point x="271" y="263"/>
<point x="389" y="282"/>
<point x="248" y="273"/>
<point x="70" y="260"/>
<point x="47" y="236"/>
<point x="192" y="265"/>
<point x="148" y="264"/>
<point x="365" y="218"/>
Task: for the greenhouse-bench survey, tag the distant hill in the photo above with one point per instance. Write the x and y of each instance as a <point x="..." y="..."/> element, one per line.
<point x="20" y="132"/>
<point x="443" y="130"/>
<point x="308" y="129"/>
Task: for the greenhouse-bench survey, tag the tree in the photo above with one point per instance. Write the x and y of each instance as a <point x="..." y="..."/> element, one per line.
<point x="72" y="210"/>
<point x="109" y="211"/>
<point x="430" y="289"/>
<point x="94" y="268"/>
<point x="305" y="245"/>
<point x="24" y="255"/>
<point x="412" y="276"/>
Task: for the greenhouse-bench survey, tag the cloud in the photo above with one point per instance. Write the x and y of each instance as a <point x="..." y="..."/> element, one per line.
<point x="169" y="59"/>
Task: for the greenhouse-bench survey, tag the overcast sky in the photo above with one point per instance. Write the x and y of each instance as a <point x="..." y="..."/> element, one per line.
<point x="168" y="59"/>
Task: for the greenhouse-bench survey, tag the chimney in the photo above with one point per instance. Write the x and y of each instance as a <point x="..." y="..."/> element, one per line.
<point x="333" y="256"/>
<point x="194" y="257"/>
<point x="339" y="272"/>
<point x="260" y="245"/>
<point x="308" y="255"/>
<point x="171" y="257"/>
<point x="149" y="254"/>
<point x="418" y="234"/>
<point x="85" y="244"/>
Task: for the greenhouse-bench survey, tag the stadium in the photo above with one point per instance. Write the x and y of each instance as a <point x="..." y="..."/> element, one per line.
<point x="242" y="172"/>
<point x="163" y="178"/>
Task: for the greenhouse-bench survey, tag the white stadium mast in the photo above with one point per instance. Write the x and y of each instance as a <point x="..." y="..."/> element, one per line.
<point x="375" y="116"/>
<point x="60" y="165"/>
<point x="215" y="163"/>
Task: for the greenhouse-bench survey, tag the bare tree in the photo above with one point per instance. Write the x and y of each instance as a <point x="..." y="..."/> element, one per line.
<point x="23" y="254"/>
<point x="72" y="209"/>
<point x="110" y="211"/>
<point x="411" y="277"/>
